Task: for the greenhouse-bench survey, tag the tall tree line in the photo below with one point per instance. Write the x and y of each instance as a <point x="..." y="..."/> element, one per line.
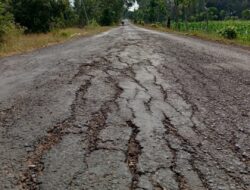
<point x="44" y="15"/>
<point x="104" y="12"/>
<point x="191" y="10"/>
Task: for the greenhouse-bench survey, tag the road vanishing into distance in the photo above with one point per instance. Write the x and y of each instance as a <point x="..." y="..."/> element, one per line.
<point x="128" y="109"/>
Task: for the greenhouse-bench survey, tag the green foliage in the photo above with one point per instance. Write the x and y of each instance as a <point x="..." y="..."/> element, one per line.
<point x="246" y="14"/>
<point x="151" y="11"/>
<point x="34" y="14"/>
<point x="200" y="16"/>
<point x="194" y="10"/>
<point x="42" y="15"/>
<point x="6" y="22"/>
<point x="104" y="12"/>
<point x="49" y="15"/>
<point x="228" y="32"/>
<point x="64" y="34"/>
<point x="231" y="18"/>
<point x="141" y="22"/>
<point x="213" y="13"/>
<point x="61" y="33"/>
<point x="8" y="28"/>
<point x="242" y="27"/>
<point x="93" y="23"/>
<point x="111" y="12"/>
<point x="155" y="25"/>
<point x="106" y="18"/>
<point x="223" y="14"/>
<point x="56" y="23"/>
<point x="157" y="11"/>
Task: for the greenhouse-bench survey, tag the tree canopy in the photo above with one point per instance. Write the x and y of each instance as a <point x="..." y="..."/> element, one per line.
<point x="193" y="10"/>
<point x="44" y="15"/>
<point x="104" y="12"/>
<point x="6" y="20"/>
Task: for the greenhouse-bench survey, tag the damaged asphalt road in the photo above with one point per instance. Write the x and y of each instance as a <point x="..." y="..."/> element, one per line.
<point x="129" y="109"/>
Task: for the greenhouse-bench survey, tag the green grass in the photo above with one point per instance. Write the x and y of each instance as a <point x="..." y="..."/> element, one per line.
<point x="242" y="28"/>
<point x="198" y="29"/>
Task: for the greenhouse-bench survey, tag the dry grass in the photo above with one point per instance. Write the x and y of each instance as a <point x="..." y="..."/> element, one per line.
<point x="19" y="43"/>
<point x="202" y="35"/>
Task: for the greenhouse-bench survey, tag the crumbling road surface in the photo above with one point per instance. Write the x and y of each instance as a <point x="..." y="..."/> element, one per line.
<point x="129" y="109"/>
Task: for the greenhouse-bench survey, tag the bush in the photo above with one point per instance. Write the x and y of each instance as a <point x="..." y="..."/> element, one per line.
<point x="60" y="33"/>
<point x="192" y="18"/>
<point x="228" y="32"/>
<point x="93" y="23"/>
<point x="246" y="14"/>
<point x="213" y="13"/>
<point x="42" y="15"/>
<point x="56" y="23"/>
<point x="64" y="34"/>
<point x="141" y="22"/>
<point x="6" y="22"/>
<point x="223" y="14"/>
<point x="156" y="25"/>
<point x="106" y="17"/>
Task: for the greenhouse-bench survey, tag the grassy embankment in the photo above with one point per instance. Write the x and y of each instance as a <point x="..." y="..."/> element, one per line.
<point x="198" y="29"/>
<point x="16" y="42"/>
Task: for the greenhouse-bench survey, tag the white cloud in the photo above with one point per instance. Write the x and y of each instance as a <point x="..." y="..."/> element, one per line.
<point x="134" y="7"/>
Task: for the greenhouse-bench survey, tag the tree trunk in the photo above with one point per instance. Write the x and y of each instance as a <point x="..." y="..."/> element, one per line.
<point x="206" y="9"/>
<point x="169" y="22"/>
<point x="85" y="12"/>
<point x="176" y="14"/>
<point x="186" y="23"/>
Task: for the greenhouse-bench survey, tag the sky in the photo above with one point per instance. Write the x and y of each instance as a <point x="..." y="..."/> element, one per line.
<point x="134" y="7"/>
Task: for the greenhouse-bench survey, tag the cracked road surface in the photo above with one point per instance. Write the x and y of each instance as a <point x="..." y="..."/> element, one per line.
<point x="129" y="109"/>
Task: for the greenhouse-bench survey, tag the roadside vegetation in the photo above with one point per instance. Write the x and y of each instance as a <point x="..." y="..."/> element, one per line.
<point x="224" y="20"/>
<point x="26" y="25"/>
<point x="18" y="43"/>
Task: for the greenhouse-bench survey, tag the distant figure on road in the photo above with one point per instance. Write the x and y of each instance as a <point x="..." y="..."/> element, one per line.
<point x="123" y="23"/>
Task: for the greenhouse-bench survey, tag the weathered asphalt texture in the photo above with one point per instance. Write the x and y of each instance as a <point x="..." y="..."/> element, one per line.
<point x="129" y="109"/>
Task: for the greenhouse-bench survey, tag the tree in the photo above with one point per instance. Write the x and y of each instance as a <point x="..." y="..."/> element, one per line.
<point x="213" y="13"/>
<point x="62" y="14"/>
<point x="105" y="12"/>
<point x="186" y="6"/>
<point x="152" y="10"/>
<point x="200" y="10"/>
<point x="42" y="15"/>
<point x="222" y="14"/>
<point x="33" y="14"/>
<point x="157" y="11"/>
<point x="246" y="14"/>
<point x="6" y="21"/>
<point x="111" y="11"/>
